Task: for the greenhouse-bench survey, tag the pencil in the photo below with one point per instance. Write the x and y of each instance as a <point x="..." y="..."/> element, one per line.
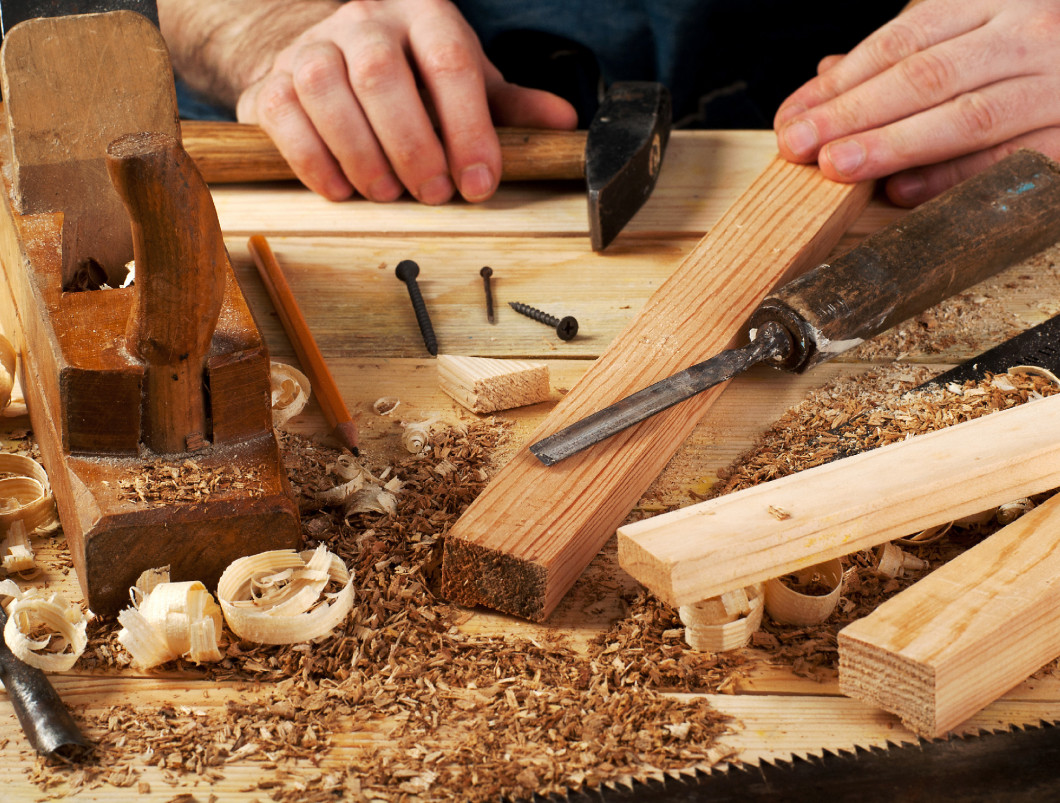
<point x="305" y="346"/>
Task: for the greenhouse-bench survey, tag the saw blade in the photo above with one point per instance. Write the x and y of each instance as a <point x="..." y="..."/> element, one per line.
<point x="1014" y="766"/>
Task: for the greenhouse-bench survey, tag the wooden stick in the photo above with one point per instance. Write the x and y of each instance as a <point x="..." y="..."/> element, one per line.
<point x="856" y="503"/>
<point x="305" y="345"/>
<point x="957" y="640"/>
<point x="524" y="541"/>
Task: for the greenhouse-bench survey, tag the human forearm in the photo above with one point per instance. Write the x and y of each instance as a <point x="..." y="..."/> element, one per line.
<point x="220" y="48"/>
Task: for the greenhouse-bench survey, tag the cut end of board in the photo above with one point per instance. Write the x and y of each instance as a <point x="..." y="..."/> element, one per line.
<point x="487" y="385"/>
<point x="474" y="575"/>
<point x="892" y="682"/>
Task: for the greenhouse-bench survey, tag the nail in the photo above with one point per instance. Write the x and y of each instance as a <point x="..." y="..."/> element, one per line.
<point x="477" y="183"/>
<point x="801" y="138"/>
<point x="846" y="157"/>
<point x="437" y="190"/>
<point x="385" y="189"/>
<point x="785" y="113"/>
<point x="907" y="189"/>
<point x="485" y="273"/>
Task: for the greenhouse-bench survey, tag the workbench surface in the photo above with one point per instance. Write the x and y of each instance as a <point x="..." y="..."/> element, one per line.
<point x="340" y="260"/>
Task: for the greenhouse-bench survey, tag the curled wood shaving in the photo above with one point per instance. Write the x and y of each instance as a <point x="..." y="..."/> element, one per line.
<point x="290" y="392"/>
<point x="26" y="496"/>
<point x="16" y="551"/>
<point x="281" y="596"/>
<point x="169" y="620"/>
<point x="43" y="628"/>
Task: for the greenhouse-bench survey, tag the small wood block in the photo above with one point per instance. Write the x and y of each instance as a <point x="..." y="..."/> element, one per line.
<point x="955" y="641"/>
<point x="855" y="503"/>
<point x="524" y="541"/>
<point x="485" y="385"/>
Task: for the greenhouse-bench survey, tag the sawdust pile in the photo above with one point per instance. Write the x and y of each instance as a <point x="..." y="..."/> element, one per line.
<point x="444" y="715"/>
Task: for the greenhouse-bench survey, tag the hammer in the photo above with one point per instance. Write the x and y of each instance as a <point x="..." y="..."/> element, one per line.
<point x="619" y="156"/>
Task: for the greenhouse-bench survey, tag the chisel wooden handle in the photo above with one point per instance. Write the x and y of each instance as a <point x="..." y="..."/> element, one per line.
<point x="181" y="263"/>
<point x="996" y="219"/>
<point x="228" y="153"/>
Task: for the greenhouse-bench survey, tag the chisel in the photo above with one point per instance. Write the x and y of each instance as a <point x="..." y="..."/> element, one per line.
<point x="1001" y="216"/>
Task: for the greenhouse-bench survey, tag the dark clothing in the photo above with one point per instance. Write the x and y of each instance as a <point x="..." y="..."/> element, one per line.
<point x="727" y="63"/>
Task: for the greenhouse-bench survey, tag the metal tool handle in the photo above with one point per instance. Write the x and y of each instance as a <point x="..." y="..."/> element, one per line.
<point x="1005" y="214"/>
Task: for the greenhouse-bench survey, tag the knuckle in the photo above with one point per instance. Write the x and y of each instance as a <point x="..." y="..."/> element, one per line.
<point x="929" y="74"/>
<point x="448" y="57"/>
<point x="316" y="70"/>
<point x="977" y="114"/>
<point x="894" y="42"/>
<point x="275" y="98"/>
<point x="373" y="65"/>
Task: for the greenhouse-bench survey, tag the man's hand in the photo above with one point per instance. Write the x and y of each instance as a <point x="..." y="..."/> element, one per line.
<point x="934" y="96"/>
<point x="352" y="103"/>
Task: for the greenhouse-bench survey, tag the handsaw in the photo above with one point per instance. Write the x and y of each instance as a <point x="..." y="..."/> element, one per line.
<point x="1011" y="766"/>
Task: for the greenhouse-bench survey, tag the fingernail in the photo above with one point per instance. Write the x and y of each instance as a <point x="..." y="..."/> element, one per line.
<point x="907" y="189"/>
<point x="801" y="138"/>
<point x="437" y="190"/>
<point x="476" y="182"/>
<point x="846" y="157"/>
<point x="785" y="113"/>
<point x="385" y="189"/>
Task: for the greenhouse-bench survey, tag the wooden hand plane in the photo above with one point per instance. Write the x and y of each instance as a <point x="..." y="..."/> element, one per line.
<point x="150" y="402"/>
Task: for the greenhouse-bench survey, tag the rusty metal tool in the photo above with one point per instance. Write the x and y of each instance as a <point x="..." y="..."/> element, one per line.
<point x="45" y="720"/>
<point x="1003" y="215"/>
<point x="619" y="156"/>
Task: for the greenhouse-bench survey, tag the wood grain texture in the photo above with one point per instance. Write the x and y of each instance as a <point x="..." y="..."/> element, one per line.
<point x="231" y="153"/>
<point x="61" y="127"/>
<point x="523" y="542"/>
<point x="840" y="507"/>
<point x="485" y="385"/>
<point x="958" y="639"/>
<point x="181" y="265"/>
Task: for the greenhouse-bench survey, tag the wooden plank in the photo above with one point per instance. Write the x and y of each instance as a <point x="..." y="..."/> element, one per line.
<point x="524" y="541"/>
<point x="702" y="174"/>
<point x="964" y="635"/>
<point x="832" y="510"/>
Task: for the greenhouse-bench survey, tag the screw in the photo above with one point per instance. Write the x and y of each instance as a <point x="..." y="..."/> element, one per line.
<point x="407" y="271"/>
<point x="565" y="328"/>
<point x="485" y="273"/>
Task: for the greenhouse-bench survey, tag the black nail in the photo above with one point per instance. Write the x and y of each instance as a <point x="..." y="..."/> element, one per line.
<point x="485" y="273"/>
<point x="407" y="271"/>
<point x="566" y="328"/>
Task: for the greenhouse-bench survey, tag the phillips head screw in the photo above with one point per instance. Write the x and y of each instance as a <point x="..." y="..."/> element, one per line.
<point x="566" y="328"/>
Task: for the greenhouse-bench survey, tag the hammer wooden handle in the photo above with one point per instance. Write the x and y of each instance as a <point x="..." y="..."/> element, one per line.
<point x="229" y="153"/>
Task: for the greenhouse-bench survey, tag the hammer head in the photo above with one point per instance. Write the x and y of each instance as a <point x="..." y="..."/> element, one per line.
<point x="13" y="12"/>
<point x="623" y="153"/>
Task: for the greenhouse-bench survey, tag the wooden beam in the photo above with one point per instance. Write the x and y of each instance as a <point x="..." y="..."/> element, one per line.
<point x="486" y="385"/>
<point x="957" y="640"/>
<point x="524" y="541"/>
<point x="856" y="503"/>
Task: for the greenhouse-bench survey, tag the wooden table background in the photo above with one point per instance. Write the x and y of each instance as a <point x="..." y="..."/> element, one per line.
<point x="340" y="261"/>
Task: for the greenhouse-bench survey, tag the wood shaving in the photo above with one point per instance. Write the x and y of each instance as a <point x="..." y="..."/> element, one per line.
<point x="164" y="482"/>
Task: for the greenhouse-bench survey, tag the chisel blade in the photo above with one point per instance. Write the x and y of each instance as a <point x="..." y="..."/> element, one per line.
<point x="771" y="341"/>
